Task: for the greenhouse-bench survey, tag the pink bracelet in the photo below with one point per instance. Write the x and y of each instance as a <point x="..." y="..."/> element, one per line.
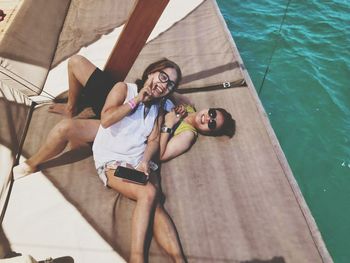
<point x="132" y="103"/>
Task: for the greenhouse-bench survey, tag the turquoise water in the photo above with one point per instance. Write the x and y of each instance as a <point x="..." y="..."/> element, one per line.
<point x="307" y="96"/>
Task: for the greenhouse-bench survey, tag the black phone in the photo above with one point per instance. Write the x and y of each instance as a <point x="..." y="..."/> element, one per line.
<point x="131" y="175"/>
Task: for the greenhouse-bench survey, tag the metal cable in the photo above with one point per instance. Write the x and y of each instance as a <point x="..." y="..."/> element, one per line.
<point x="274" y="48"/>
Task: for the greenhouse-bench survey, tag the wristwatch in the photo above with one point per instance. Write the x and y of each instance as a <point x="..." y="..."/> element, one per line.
<point x="166" y="129"/>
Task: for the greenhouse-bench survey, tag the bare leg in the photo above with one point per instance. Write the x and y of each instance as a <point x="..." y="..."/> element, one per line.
<point x="166" y="236"/>
<point x="76" y="131"/>
<point x="146" y="198"/>
<point x="79" y="71"/>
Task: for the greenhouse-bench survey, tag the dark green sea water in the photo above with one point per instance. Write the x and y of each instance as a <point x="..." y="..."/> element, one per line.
<point x="307" y="96"/>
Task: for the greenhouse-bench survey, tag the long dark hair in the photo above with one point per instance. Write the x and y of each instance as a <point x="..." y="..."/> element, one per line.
<point x="154" y="67"/>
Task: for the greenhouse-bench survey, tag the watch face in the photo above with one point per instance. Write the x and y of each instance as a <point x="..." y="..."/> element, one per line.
<point x="166" y="129"/>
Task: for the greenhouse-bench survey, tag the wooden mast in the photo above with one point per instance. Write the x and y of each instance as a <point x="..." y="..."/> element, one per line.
<point x="134" y="36"/>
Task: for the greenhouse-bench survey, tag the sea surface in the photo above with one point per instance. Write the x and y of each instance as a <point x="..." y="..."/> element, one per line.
<point x="306" y="94"/>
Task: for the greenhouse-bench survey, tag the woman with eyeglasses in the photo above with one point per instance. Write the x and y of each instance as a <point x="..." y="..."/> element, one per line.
<point x="182" y="125"/>
<point x="129" y="118"/>
<point x="88" y="87"/>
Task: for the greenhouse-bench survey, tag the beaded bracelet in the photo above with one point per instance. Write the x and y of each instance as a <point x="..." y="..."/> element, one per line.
<point x="132" y="104"/>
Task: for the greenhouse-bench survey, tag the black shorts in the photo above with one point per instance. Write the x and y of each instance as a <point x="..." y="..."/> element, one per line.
<point x="95" y="92"/>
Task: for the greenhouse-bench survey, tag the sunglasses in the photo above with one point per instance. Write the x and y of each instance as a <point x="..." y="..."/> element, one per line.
<point x="212" y="121"/>
<point x="164" y="78"/>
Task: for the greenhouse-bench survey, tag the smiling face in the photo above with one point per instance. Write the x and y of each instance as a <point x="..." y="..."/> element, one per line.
<point x="163" y="82"/>
<point x="209" y="120"/>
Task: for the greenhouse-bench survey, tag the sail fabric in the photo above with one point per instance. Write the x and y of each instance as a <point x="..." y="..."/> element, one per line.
<point x="26" y="52"/>
<point x="87" y="21"/>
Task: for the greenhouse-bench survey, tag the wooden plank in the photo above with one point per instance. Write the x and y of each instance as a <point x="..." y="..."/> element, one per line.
<point x="134" y="36"/>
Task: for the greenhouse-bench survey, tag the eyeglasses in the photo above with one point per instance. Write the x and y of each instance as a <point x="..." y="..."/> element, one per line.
<point x="212" y="121"/>
<point x="164" y="78"/>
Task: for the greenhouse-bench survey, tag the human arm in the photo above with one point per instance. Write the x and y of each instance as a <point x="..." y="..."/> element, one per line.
<point x="178" y="144"/>
<point x="152" y="146"/>
<point x="114" y="109"/>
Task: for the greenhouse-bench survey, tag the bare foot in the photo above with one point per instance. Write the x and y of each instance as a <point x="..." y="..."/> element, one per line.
<point x="62" y="109"/>
<point x="22" y="170"/>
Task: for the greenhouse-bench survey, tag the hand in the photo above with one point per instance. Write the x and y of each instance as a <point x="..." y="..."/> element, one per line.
<point x="181" y="110"/>
<point x="144" y="167"/>
<point x="145" y="93"/>
<point x="2" y="15"/>
<point x="172" y="118"/>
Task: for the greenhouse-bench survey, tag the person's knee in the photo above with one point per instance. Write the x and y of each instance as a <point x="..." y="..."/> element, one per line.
<point x="75" y="60"/>
<point x="65" y="127"/>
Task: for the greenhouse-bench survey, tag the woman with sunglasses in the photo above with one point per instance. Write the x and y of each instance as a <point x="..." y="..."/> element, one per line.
<point x="182" y="125"/>
<point x="129" y="118"/>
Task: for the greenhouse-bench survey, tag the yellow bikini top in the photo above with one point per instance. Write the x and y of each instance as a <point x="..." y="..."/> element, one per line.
<point x="185" y="126"/>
